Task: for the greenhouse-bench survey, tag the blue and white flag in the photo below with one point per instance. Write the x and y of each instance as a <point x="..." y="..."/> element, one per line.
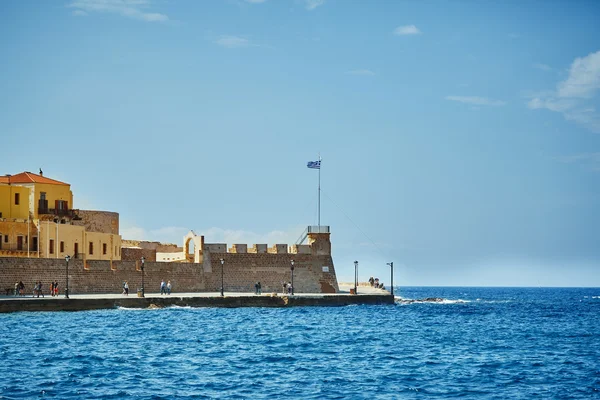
<point x="314" y="164"/>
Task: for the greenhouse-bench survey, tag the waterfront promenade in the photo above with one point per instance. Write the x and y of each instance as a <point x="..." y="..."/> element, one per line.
<point x="80" y="302"/>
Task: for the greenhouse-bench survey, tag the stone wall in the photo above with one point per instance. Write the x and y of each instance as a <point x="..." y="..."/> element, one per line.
<point x="157" y="246"/>
<point x="240" y="273"/>
<point x="135" y="254"/>
<point x="98" y="221"/>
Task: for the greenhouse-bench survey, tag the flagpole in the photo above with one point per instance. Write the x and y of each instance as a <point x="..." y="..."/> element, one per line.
<point x="319" y="193"/>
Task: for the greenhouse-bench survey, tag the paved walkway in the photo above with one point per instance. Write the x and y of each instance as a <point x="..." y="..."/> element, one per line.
<point x="344" y="290"/>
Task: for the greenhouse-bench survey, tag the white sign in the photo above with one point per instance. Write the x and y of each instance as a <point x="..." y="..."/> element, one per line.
<point x="325" y="269"/>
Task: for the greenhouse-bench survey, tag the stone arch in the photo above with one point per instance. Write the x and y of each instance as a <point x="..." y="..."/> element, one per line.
<point x="196" y="255"/>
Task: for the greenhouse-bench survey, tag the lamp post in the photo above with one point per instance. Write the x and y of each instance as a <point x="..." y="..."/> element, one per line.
<point x="222" y="282"/>
<point x="143" y="290"/>
<point x="391" y="264"/>
<point x="67" y="259"/>
<point x="292" y="270"/>
<point x="355" y="276"/>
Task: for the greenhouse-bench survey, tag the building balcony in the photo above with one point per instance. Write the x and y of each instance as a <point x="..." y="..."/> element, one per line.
<point x="61" y="212"/>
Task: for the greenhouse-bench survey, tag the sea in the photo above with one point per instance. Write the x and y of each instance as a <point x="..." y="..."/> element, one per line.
<point x="453" y="342"/>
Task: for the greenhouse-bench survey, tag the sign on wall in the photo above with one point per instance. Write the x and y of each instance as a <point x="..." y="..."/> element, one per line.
<point x="325" y="268"/>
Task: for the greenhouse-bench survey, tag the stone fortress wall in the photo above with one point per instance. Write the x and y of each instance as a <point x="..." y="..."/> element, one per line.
<point x="98" y="221"/>
<point x="314" y="270"/>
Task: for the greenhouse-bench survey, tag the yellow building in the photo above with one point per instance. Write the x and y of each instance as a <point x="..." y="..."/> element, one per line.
<point x="36" y="220"/>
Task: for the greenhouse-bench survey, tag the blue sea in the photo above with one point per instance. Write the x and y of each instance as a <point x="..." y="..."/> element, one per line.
<point x="491" y="343"/>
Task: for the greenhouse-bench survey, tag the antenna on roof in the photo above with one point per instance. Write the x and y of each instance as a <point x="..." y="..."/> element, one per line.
<point x="41" y="172"/>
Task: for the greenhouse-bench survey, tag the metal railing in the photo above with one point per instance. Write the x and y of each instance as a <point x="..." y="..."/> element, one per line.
<point x="58" y="211"/>
<point x="318" y="229"/>
<point x="312" y="229"/>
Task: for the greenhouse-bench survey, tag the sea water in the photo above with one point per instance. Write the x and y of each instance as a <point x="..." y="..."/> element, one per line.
<point x="503" y="343"/>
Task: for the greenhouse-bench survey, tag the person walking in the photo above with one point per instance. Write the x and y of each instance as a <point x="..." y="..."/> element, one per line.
<point x="163" y="287"/>
<point x="52" y="288"/>
<point x="284" y="287"/>
<point x="21" y="288"/>
<point x="16" y="288"/>
<point x="259" y="288"/>
<point x="256" y="288"/>
<point x="168" y="287"/>
<point x="126" y="289"/>
<point x="56" y="287"/>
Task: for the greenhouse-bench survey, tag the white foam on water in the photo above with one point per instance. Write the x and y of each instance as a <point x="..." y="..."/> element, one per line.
<point x="401" y="300"/>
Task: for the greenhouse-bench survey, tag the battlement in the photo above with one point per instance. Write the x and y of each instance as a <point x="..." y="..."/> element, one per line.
<point x="317" y="241"/>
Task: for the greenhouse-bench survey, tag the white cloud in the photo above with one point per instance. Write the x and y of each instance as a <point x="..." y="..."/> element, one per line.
<point x="551" y="103"/>
<point x="584" y="77"/>
<point x="407" y="30"/>
<point x="591" y="160"/>
<point x="312" y="4"/>
<point x="476" y="101"/>
<point x="542" y="67"/>
<point x="231" y="42"/>
<point x="79" y="13"/>
<point x="133" y="233"/>
<point x="573" y="97"/>
<point x="255" y="1"/>
<point x="126" y="8"/>
<point x="174" y="234"/>
<point x="361" y="72"/>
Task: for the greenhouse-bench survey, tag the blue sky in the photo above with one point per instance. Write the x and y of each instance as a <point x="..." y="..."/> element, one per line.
<point x="460" y="140"/>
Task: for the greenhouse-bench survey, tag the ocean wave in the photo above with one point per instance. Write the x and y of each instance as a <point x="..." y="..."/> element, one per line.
<point x="430" y="300"/>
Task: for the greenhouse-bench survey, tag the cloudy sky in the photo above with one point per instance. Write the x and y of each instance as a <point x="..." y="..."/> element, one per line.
<point x="460" y="140"/>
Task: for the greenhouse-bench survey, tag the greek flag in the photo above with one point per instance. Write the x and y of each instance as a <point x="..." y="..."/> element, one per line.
<point x="314" y="164"/>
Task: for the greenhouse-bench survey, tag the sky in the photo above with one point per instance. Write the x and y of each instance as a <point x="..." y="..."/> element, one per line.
<point x="460" y="140"/>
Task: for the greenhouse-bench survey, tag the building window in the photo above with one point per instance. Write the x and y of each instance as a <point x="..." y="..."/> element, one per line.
<point x="51" y="246"/>
<point x="76" y="250"/>
<point x="103" y="248"/>
<point x="34" y="245"/>
<point x="17" y="198"/>
<point x="62" y="247"/>
<point x="0" y="241"/>
<point x="91" y="250"/>
<point x="5" y="238"/>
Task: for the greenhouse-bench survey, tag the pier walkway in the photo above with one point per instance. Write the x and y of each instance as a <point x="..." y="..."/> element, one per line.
<point x="80" y="302"/>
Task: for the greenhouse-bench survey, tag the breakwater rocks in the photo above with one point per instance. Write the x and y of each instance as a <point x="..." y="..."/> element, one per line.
<point x="82" y="304"/>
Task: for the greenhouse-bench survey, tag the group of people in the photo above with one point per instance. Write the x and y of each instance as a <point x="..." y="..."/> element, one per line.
<point x="37" y="289"/>
<point x="375" y="283"/>
<point x="54" y="288"/>
<point x="287" y="288"/>
<point x="165" y="288"/>
<point x="19" y="288"/>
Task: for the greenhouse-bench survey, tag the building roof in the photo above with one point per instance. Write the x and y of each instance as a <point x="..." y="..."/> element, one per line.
<point x="28" y="177"/>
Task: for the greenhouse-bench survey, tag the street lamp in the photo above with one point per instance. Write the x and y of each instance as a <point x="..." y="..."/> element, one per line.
<point x="391" y="264"/>
<point x="355" y="276"/>
<point x="67" y="259"/>
<point x="222" y="267"/>
<point x="143" y="290"/>
<point x="292" y="269"/>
